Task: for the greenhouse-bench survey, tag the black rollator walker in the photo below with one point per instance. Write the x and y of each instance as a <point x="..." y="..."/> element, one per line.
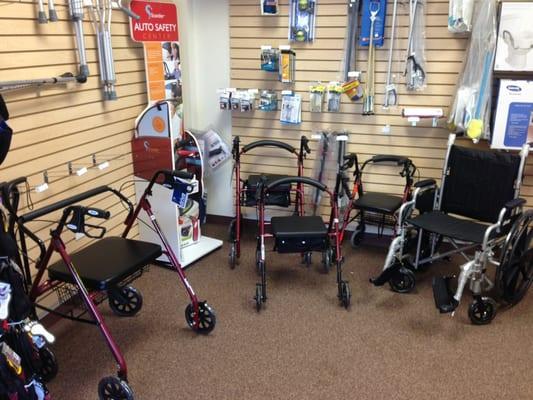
<point x="104" y="269"/>
<point x="246" y="193"/>
<point x="476" y="209"/>
<point x="299" y="234"/>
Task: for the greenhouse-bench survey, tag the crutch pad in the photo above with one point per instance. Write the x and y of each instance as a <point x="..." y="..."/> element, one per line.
<point x="443" y="295"/>
<point x="295" y="234"/>
<point x="106" y="262"/>
<point x="280" y="196"/>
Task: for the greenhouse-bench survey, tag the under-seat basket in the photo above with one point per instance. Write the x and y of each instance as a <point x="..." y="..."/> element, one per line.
<point x="298" y="234"/>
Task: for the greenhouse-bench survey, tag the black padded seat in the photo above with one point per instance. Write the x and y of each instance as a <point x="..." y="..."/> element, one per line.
<point x="296" y="226"/>
<point x="378" y="202"/>
<point x="106" y="262"/>
<point x="446" y="225"/>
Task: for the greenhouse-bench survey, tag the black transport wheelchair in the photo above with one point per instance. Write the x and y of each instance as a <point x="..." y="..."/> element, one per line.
<point x="300" y="234"/>
<point x="476" y="209"/>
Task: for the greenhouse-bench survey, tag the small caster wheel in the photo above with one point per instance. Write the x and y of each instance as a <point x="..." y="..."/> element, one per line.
<point x="258" y="297"/>
<point x="307" y="259"/>
<point x="113" y="388"/>
<point x="403" y="281"/>
<point x="206" y="318"/>
<point x="482" y="311"/>
<point x="233" y="255"/>
<point x="48" y="369"/>
<point x="345" y="294"/>
<point x="327" y="259"/>
<point x="125" y="301"/>
<point x="357" y="236"/>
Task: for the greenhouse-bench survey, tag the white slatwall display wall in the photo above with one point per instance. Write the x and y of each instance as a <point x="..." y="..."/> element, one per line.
<point x="321" y="61"/>
<point x="58" y="124"/>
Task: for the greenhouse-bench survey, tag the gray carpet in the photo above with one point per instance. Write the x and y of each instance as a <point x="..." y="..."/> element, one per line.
<point x="302" y="345"/>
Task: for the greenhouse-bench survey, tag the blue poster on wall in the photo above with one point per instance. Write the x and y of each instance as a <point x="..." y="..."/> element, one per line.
<point x="369" y="9"/>
<point x="518" y="124"/>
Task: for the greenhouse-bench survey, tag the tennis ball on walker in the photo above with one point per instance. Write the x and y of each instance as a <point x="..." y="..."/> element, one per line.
<point x="475" y="129"/>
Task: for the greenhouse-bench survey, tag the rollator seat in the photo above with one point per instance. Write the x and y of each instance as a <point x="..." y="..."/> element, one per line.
<point x="378" y="202"/>
<point x="295" y="234"/>
<point x="453" y="227"/>
<point x="279" y="196"/>
<point x="106" y="262"/>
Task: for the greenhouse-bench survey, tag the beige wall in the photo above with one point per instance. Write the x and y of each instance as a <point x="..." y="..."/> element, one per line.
<point x="321" y="60"/>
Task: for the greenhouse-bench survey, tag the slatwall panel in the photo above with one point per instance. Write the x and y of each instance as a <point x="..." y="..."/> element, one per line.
<point x="321" y="61"/>
<point x="58" y="124"/>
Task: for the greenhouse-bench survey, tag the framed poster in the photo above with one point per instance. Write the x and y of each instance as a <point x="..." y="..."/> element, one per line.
<point x="515" y="38"/>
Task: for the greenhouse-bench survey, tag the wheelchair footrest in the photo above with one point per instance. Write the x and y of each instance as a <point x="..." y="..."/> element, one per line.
<point x="443" y="295"/>
<point x="386" y="275"/>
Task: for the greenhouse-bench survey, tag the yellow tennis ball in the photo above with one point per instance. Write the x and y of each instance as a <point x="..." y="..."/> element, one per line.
<point x="475" y="129"/>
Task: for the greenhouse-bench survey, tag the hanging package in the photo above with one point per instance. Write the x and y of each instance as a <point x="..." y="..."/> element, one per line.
<point x="291" y="108"/>
<point x="350" y="42"/>
<point x="269" y="59"/>
<point x="287" y="64"/>
<point x="316" y="97"/>
<point x="368" y="8"/>
<point x="415" y="63"/>
<point x="269" y="7"/>
<point x="5" y="131"/>
<point x="302" y="15"/>
<point x="334" y="96"/>
<point x="460" y="16"/>
<point x="470" y="112"/>
<point x="268" y="101"/>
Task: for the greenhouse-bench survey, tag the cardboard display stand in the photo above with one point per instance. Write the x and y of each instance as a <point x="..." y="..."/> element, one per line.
<point x="157" y="131"/>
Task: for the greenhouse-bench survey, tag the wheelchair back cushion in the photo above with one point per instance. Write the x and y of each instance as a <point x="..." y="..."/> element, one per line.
<point x="478" y="183"/>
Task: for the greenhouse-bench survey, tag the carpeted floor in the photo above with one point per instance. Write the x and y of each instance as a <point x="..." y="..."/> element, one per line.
<point x="302" y="345"/>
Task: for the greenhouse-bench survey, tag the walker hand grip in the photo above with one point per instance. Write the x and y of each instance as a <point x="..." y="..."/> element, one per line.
<point x="305" y="144"/>
<point x="97" y="213"/>
<point x="424" y="183"/>
<point x="297" y="179"/>
<point x="268" y="143"/>
<point x="389" y="158"/>
<point x="182" y="174"/>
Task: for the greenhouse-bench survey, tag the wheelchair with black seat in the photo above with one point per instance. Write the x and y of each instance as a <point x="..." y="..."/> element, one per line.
<point x="372" y="208"/>
<point x="299" y="234"/>
<point x="247" y="195"/>
<point x="103" y="269"/>
<point x="476" y="209"/>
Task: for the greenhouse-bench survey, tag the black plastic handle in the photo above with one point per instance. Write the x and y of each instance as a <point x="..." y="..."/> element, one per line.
<point x="96" y="212"/>
<point x="181" y="174"/>
<point x="268" y="143"/>
<point x="425" y="183"/>
<point x="512" y="204"/>
<point x="389" y="158"/>
<point x="64" y="203"/>
<point x="305" y="144"/>
<point x="297" y="179"/>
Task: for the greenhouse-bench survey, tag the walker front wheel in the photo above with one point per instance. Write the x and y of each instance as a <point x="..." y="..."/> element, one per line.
<point x="49" y="368"/>
<point x="206" y="318"/>
<point x="114" y="388"/>
<point x="126" y="301"/>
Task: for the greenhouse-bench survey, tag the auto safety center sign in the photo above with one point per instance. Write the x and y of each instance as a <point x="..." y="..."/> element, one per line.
<point x="158" y="22"/>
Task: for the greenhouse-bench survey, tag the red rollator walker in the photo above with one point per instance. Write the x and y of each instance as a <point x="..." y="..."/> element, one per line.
<point x="103" y="269"/>
<point x="300" y="234"/>
<point x="246" y="193"/>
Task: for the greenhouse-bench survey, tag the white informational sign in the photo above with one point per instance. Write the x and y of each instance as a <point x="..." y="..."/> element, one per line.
<point x="515" y="37"/>
<point x="513" y="125"/>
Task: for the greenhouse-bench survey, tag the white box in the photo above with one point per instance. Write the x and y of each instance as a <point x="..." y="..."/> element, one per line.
<point x="513" y="125"/>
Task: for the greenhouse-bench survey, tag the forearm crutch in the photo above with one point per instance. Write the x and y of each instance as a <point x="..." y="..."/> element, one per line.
<point x="76" y="15"/>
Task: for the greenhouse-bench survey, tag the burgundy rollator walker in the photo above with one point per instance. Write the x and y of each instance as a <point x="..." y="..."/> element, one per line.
<point x="300" y="234"/>
<point x="246" y="194"/>
<point x="105" y="267"/>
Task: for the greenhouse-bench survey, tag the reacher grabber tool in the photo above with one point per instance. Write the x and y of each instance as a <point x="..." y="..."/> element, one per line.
<point x="368" y="101"/>
<point x="391" y="95"/>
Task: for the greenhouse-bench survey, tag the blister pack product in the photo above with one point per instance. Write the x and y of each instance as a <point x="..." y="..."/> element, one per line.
<point x="269" y="7"/>
<point x="316" y="96"/>
<point x="291" y="108"/>
<point x="287" y="64"/>
<point x="334" y="96"/>
<point x="369" y="10"/>
<point x="269" y="59"/>
<point x="302" y="15"/>
<point x="460" y="16"/>
<point x="268" y="100"/>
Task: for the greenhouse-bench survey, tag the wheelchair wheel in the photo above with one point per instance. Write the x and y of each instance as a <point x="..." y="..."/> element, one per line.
<point x="482" y="311"/>
<point x="113" y="388"/>
<point x="48" y="369"/>
<point x="258" y="297"/>
<point x="345" y="294"/>
<point x="125" y="301"/>
<point x="233" y="255"/>
<point x="515" y="271"/>
<point x="357" y="235"/>
<point x="403" y="281"/>
<point x="206" y="318"/>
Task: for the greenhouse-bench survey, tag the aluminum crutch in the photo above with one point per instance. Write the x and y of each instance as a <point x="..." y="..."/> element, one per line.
<point x="351" y="38"/>
<point x="76" y="15"/>
<point x="52" y="13"/>
<point x="368" y="102"/>
<point x="391" y="95"/>
<point x="42" y="18"/>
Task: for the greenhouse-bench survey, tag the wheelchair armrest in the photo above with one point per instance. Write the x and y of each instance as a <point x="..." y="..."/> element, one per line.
<point x="512" y="204"/>
<point x="425" y="183"/>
